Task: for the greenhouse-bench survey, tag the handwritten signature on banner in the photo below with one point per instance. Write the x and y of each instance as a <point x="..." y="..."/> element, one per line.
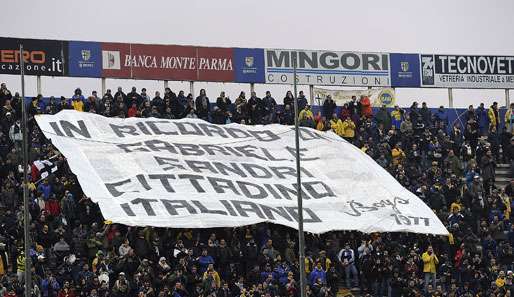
<point x="359" y="208"/>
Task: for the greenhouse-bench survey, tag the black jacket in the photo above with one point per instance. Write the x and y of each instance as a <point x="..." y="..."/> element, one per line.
<point x="329" y="106"/>
<point x="202" y="110"/>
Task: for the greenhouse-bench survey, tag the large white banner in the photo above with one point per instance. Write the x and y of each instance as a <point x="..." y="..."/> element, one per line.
<point x="327" y="68"/>
<point x="192" y="174"/>
<point x="459" y="71"/>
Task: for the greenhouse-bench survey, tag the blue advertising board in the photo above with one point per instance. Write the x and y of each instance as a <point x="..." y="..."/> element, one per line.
<point x="405" y="70"/>
<point x="84" y="58"/>
<point x="249" y="65"/>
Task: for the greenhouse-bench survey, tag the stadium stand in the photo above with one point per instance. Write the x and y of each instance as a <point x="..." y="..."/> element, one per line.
<point x="461" y="169"/>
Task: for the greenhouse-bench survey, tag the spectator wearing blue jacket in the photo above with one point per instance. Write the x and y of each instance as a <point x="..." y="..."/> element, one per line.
<point x="266" y="273"/>
<point x="483" y="120"/>
<point x="45" y="188"/>
<point x="470" y="175"/>
<point x="441" y="118"/>
<point x="302" y="101"/>
<point x="316" y="273"/>
<point x="49" y="286"/>
<point x="280" y="273"/>
<point x="489" y="244"/>
<point x="455" y="217"/>
<point x="270" y="108"/>
<point x="204" y="260"/>
<point x="78" y="95"/>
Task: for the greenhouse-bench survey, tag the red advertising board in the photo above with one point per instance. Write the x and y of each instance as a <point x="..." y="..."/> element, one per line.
<point x="112" y="60"/>
<point x="170" y="62"/>
<point x="167" y="62"/>
<point x="215" y="64"/>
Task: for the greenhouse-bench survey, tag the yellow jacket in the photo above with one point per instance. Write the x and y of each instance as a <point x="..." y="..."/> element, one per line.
<point x="320" y="126"/>
<point x="2" y="269"/>
<point x="451" y="239"/>
<point x="94" y="264"/>
<point x="500" y="282"/>
<point x="309" y="265"/>
<point x="455" y="205"/>
<point x="348" y="127"/>
<point x="327" y="263"/>
<point x="396" y="114"/>
<point x="31" y="186"/>
<point x="397" y="155"/>
<point x="429" y="262"/>
<point x="492" y="117"/>
<point x="20" y="263"/>
<point x="509" y="123"/>
<point x="78" y="105"/>
<point x="508" y="210"/>
<point x="216" y="277"/>
<point x="305" y="114"/>
<point x="337" y="126"/>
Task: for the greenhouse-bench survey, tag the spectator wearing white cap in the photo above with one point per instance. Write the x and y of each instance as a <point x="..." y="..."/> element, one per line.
<point x="121" y="286"/>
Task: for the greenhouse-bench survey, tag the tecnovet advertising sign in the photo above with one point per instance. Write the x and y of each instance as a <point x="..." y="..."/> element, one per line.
<point x="459" y="71"/>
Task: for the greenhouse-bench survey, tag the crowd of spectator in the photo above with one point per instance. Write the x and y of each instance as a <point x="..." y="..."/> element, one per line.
<point x="450" y="166"/>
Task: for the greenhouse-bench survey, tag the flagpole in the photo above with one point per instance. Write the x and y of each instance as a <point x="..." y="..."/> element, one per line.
<point x="26" y="218"/>
<point x="301" y="238"/>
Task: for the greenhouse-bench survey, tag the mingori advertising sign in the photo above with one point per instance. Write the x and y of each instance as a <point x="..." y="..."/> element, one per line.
<point x="327" y="68"/>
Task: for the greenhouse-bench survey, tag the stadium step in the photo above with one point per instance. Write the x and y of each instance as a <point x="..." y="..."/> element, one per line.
<point x="502" y="175"/>
<point x="502" y="171"/>
<point x="347" y="293"/>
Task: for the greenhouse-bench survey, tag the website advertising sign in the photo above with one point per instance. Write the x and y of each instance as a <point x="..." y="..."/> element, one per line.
<point x="327" y="68"/>
<point x="84" y="59"/>
<point x="405" y="70"/>
<point x="459" y="71"/>
<point x="41" y="57"/>
<point x="189" y="173"/>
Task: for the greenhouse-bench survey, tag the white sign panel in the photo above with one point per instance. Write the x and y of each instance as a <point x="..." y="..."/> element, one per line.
<point x="378" y="97"/>
<point x="457" y="71"/>
<point x="327" y="68"/>
<point x="192" y="174"/>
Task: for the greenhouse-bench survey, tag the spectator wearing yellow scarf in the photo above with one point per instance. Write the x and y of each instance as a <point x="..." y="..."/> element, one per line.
<point x="348" y="127"/>
<point x="509" y="118"/>
<point x="336" y="125"/>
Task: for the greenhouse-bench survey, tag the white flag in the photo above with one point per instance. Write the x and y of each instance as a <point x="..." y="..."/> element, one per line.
<point x="43" y="168"/>
<point x="189" y="173"/>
